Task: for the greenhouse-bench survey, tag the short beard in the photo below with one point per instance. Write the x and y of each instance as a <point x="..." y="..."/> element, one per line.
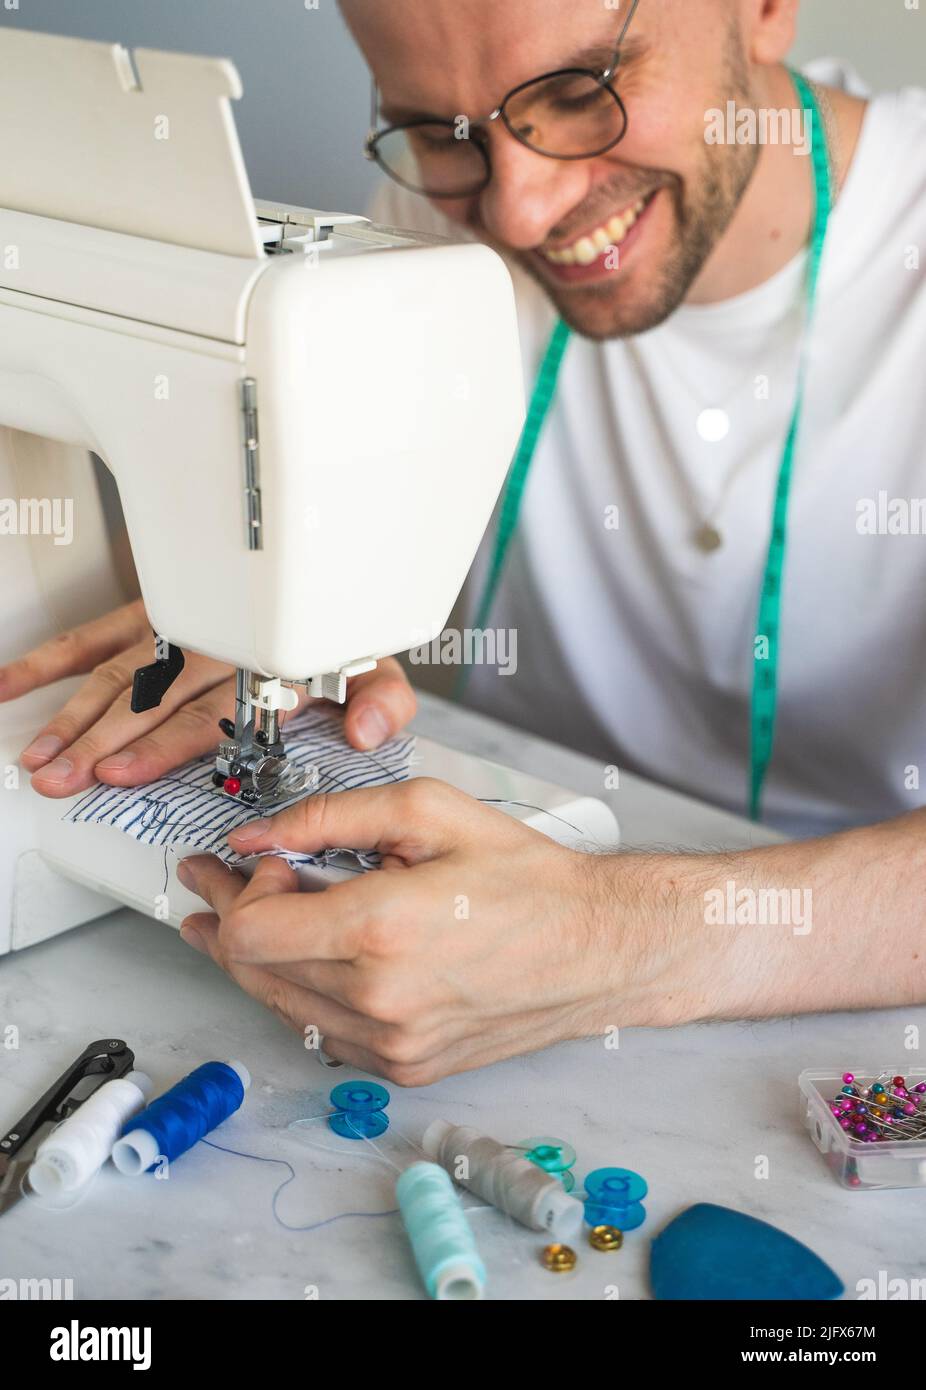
<point x="717" y="189"/>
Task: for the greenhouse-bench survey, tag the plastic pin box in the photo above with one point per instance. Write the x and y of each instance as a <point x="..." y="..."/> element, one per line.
<point x="855" y="1164"/>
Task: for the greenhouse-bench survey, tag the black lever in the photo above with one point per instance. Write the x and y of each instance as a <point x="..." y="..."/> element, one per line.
<point x="151" y="683"/>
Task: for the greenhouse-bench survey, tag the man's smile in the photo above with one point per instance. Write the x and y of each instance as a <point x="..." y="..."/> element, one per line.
<point x="590" y="254"/>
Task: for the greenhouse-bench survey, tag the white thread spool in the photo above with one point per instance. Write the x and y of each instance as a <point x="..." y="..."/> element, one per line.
<point x="502" y="1177"/>
<point x="81" y="1144"/>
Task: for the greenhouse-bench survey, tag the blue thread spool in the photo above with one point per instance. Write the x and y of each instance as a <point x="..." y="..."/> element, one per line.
<point x="443" y="1245"/>
<point x="182" y="1116"/>
<point x="359" y="1107"/>
<point x="614" y="1198"/>
<point x="552" y="1155"/>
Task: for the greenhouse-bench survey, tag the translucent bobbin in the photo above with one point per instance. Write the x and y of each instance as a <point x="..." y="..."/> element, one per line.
<point x="613" y="1198"/>
<point x="552" y="1155"/>
<point x="359" y="1107"/>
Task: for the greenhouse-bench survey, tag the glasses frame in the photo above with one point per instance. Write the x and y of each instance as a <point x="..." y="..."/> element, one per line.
<point x="604" y="79"/>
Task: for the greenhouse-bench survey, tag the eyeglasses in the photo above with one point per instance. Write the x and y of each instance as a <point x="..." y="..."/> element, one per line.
<point x="572" y="113"/>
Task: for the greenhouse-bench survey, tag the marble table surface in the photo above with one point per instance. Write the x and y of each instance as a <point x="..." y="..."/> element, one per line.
<point x="694" y="1109"/>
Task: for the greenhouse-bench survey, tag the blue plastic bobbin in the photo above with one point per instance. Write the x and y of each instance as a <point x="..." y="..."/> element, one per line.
<point x="359" y="1107"/>
<point x="613" y="1198"/>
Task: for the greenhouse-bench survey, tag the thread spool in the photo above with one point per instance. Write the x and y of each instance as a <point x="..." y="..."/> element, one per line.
<point x="77" y="1148"/>
<point x="503" y="1178"/>
<point x="179" y="1118"/>
<point x="441" y="1240"/>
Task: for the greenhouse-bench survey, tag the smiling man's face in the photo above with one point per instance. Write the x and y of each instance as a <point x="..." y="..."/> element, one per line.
<point x="663" y="196"/>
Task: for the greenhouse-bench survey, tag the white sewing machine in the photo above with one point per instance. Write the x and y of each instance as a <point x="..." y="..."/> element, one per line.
<point x="308" y="420"/>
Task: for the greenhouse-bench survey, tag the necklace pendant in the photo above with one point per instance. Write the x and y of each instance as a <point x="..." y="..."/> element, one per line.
<point x="707" y="538"/>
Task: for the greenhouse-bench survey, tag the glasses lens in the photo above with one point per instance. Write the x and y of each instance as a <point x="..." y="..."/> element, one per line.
<point x="571" y="115"/>
<point x="429" y="158"/>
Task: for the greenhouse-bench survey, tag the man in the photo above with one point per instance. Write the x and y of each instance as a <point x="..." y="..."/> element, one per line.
<point x="678" y="255"/>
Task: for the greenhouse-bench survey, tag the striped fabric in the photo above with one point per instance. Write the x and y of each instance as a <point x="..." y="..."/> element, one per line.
<point x="184" y="807"/>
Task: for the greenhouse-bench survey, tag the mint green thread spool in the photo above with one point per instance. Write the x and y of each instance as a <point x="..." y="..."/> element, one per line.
<point x="441" y="1240"/>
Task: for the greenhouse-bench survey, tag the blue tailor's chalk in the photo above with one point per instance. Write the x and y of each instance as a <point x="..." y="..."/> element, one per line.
<point x="713" y="1252"/>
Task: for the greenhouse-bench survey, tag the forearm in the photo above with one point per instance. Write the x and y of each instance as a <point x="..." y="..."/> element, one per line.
<point x="833" y="923"/>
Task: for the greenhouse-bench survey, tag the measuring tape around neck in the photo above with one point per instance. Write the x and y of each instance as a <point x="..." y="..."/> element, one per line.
<point x="768" y="624"/>
<point x="766" y="645"/>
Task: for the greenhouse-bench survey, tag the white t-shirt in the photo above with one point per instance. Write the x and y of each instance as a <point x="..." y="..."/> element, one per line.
<point x="635" y="646"/>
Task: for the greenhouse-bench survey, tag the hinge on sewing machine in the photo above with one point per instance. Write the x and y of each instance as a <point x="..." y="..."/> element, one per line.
<point x="251" y="444"/>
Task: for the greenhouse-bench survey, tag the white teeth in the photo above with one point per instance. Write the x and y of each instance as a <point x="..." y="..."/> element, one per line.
<point x="588" y="248"/>
<point x="585" y="251"/>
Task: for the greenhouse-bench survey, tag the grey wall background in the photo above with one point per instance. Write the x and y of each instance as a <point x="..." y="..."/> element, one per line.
<point x="304" y="113"/>
<point x="883" y="39"/>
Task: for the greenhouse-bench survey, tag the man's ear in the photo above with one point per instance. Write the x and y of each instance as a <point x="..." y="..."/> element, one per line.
<point x="774" y="27"/>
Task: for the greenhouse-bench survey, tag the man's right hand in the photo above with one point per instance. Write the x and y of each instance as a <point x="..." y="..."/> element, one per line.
<point x="95" y="737"/>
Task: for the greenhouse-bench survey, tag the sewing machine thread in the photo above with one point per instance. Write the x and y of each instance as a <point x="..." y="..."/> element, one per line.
<point x="76" y="1149"/>
<point x="503" y="1178"/>
<point x="177" y="1120"/>
<point x="443" y="1244"/>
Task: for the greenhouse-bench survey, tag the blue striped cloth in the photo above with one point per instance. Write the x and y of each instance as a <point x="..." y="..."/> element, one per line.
<point x="184" y="807"/>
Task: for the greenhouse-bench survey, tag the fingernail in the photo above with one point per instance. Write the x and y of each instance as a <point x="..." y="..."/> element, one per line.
<point x="58" y="771"/>
<point x="370" y="728"/>
<point x="254" y="829"/>
<point x="45" y="746"/>
<point x="192" y="938"/>
<point x="115" y="762"/>
<point x="186" y="875"/>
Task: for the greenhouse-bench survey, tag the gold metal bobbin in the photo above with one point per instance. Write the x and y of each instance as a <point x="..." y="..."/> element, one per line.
<point x="559" y="1258"/>
<point x="605" y="1238"/>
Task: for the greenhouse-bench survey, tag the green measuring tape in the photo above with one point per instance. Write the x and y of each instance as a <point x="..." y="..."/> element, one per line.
<point x="541" y="400"/>
<point x="768" y="627"/>
<point x="768" y="624"/>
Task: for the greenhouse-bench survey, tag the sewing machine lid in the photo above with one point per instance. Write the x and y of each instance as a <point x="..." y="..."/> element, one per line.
<point x="141" y="143"/>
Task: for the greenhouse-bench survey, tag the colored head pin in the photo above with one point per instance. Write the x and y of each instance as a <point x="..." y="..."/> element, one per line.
<point x="887" y="1110"/>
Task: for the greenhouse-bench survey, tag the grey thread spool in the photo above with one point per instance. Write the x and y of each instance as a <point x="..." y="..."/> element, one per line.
<point x="503" y="1178"/>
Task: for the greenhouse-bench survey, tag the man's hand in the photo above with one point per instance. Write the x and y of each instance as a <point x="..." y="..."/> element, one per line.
<point x="96" y="737"/>
<point x="478" y="939"/>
